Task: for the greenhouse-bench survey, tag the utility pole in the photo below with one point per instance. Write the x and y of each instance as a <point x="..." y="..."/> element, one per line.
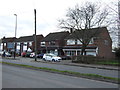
<point x="35" y="37"/>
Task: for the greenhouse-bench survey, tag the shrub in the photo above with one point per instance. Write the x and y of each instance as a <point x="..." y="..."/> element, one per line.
<point x="117" y="52"/>
<point x="86" y="59"/>
<point x="94" y="60"/>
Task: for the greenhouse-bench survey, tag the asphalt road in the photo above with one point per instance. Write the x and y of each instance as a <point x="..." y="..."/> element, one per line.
<point x="16" y="77"/>
<point x="103" y="72"/>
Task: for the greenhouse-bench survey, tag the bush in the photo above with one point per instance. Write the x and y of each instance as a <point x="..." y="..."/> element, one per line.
<point x="117" y="52"/>
<point x="85" y="59"/>
<point x="94" y="60"/>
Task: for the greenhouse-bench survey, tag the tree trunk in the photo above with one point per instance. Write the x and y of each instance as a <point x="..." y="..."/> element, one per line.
<point x="83" y="50"/>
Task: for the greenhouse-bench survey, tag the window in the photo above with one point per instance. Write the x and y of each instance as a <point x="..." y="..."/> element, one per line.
<point x="18" y="44"/>
<point x="70" y="53"/>
<point x="1" y="46"/>
<point x="25" y="43"/>
<point x="91" y="53"/>
<point x="52" y="43"/>
<point x="91" y="41"/>
<point x="70" y="42"/>
<point x="30" y="43"/>
<point x="42" y="43"/>
<point x="5" y="44"/>
<point x="79" y="42"/>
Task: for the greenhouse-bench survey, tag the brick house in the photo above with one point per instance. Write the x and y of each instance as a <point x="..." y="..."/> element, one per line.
<point x="63" y="43"/>
<point x="21" y="44"/>
<point x="8" y="44"/>
<point x="100" y="45"/>
<point x="26" y="43"/>
<point x="53" y="43"/>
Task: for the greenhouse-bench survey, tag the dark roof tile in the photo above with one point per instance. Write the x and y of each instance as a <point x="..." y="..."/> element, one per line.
<point x="55" y="36"/>
<point x="79" y="33"/>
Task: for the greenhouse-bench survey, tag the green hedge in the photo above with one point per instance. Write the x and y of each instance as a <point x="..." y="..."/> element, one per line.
<point x="93" y="60"/>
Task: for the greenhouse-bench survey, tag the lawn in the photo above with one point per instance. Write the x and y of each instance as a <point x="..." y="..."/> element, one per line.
<point x="115" y="63"/>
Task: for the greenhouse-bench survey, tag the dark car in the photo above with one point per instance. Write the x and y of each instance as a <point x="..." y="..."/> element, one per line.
<point x="40" y="55"/>
<point x="28" y="54"/>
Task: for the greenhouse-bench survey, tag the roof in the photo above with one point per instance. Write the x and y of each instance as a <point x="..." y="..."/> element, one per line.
<point x="95" y="32"/>
<point x="55" y="36"/>
<point x="9" y="39"/>
<point x="25" y="39"/>
<point x="28" y="38"/>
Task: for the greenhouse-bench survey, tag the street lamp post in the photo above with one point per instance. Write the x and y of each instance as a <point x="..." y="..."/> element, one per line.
<point x="15" y="35"/>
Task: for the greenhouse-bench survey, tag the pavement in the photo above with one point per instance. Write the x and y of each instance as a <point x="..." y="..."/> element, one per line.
<point x="65" y="62"/>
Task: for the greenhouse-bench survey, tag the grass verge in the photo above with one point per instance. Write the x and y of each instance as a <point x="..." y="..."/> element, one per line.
<point x="85" y="75"/>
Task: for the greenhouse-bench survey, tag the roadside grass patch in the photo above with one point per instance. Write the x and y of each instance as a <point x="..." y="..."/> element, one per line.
<point x="87" y="75"/>
<point x="109" y="63"/>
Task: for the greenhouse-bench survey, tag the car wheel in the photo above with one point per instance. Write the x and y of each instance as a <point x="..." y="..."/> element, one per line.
<point x="44" y="59"/>
<point x="53" y="60"/>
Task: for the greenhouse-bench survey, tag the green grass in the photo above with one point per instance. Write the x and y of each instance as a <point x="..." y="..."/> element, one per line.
<point x="66" y="72"/>
<point x="109" y="63"/>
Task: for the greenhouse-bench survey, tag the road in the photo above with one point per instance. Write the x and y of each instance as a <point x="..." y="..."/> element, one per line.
<point x="16" y="77"/>
<point x="103" y="72"/>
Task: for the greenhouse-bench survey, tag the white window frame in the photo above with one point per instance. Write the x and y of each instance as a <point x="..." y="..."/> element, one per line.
<point x="30" y="43"/>
<point x="42" y="43"/>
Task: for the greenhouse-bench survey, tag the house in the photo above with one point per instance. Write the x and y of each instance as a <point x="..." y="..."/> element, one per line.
<point x="100" y="45"/>
<point x="21" y="44"/>
<point x="8" y="44"/>
<point x="26" y="43"/>
<point x="64" y="43"/>
<point x="54" y="43"/>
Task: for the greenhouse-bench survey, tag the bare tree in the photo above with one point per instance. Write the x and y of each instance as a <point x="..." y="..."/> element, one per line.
<point x="83" y="19"/>
<point x="115" y="26"/>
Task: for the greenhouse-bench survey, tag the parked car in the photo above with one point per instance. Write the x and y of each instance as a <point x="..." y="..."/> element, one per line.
<point x="32" y="55"/>
<point x="40" y="55"/>
<point x="1" y="52"/>
<point x="23" y="54"/>
<point x="8" y="54"/>
<point x="51" y="57"/>
<point x="28" y="54"/>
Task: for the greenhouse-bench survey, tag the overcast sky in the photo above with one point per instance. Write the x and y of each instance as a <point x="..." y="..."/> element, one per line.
<point x="48" y="12"/>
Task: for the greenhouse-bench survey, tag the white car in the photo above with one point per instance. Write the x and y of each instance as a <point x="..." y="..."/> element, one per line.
<point x="32" y="55"/>
<point x="51" y="57"/>
<point x="6" y="54"/>
<point x="1" y="52"/>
